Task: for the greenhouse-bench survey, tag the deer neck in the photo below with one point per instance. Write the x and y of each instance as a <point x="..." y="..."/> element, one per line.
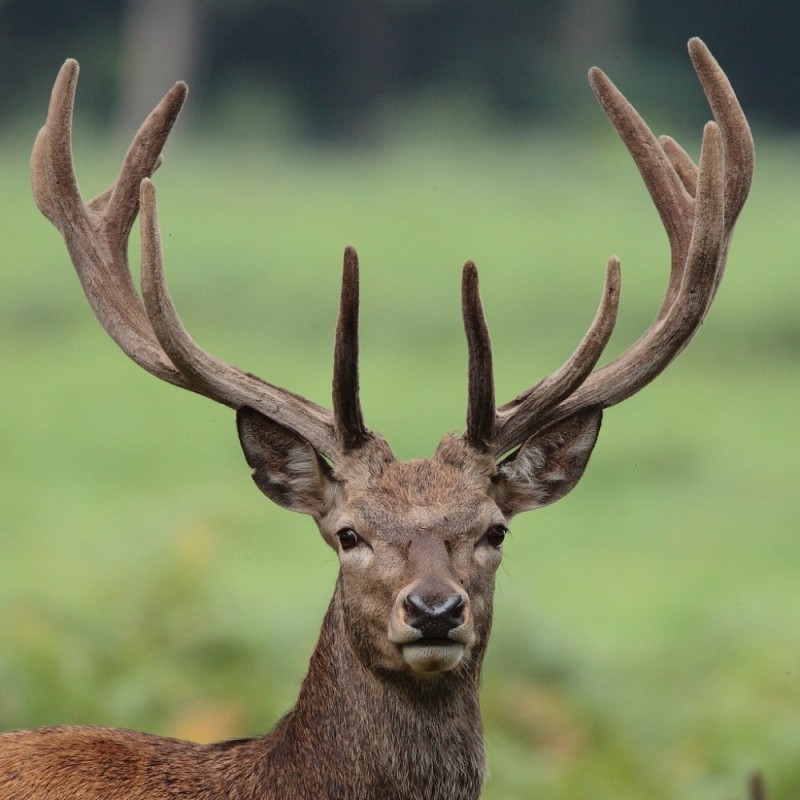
<point x="381" y="736"/>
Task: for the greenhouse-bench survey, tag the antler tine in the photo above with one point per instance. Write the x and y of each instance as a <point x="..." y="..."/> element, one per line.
<point x="206" y="374"/>
<point x="739" y="150"/>
<point x="698" y="207"/>
<point x="737" y="138"/>
<point x="121" y="202"/>
<point x="51" y="160"/>
<point x="480" y="392"/>
<point x="519" y="419"/>
<point x="681" y="162"/>
<point x="351" y="431"/>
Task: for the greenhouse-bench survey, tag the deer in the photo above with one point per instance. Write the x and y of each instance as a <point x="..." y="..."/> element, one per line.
<point x="389" y="708"/>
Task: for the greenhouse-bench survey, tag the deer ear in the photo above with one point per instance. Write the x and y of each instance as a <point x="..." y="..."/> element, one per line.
<point x="548" y="465"/>
<point x="286" y="467"/>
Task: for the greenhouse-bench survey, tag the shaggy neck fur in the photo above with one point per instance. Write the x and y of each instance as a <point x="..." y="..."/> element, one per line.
<point x="354" y="733"/>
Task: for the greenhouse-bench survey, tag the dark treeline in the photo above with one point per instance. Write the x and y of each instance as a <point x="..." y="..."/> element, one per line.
<point x="338" y="66"/>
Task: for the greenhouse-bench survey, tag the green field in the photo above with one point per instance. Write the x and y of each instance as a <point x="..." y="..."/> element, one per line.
<point x="647" y="629"/>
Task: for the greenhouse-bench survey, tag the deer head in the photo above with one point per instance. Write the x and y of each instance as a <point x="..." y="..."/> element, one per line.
<point x="418" y="542"/>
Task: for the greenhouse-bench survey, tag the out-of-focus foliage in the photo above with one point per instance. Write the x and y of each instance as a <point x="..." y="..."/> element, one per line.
<point x="344" y="71"/>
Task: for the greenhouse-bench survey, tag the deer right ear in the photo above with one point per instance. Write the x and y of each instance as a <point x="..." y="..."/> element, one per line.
<point x="286" y="467"/>
<point x="548" y="465"/>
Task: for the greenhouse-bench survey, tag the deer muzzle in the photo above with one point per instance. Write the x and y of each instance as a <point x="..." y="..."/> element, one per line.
<point x="432" y="626"/>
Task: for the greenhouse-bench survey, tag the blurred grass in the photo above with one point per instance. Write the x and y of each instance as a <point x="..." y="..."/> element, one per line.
<point x="646" y="641"/>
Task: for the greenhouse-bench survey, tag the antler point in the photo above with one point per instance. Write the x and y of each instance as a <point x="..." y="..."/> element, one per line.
<point x="700" y="54"/>
<point x="695" y="44"/>
<point x="598" y="78"/>
<point x="350" y="264"/>
<point x="613" y="275"/>
<point x="179" y="91"/>
<point x="147" y="190"/>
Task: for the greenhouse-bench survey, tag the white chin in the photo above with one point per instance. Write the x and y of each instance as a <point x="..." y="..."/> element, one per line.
<point x="429" y="657"/>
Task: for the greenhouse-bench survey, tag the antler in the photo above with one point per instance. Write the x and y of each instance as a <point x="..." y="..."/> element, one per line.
<point x="698" y="206"/>
<point x="150" y="333"/>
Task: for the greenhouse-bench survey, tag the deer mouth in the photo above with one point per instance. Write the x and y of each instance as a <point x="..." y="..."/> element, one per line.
<point x="428" y="656"/>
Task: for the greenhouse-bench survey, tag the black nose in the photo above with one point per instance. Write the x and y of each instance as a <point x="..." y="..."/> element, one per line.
<point x="434" y="619"/>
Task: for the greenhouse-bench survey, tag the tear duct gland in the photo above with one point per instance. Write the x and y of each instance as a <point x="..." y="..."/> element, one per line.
<point x="389" y="708"/>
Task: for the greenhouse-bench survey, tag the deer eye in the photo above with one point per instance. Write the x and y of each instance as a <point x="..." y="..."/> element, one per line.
<point x="496" y="534"/>
<point x="348" y="538"/>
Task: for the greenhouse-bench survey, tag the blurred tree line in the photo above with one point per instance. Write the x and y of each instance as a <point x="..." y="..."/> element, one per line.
<point x="335" y="68"/>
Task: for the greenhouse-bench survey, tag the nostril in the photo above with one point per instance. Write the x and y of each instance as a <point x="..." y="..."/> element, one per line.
<point x="416" y="607"/>
<point x="434" y="619"/>
<point x="453" y="609"/>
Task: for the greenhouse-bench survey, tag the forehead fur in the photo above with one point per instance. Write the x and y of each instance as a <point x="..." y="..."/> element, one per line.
<point x="456" y="476"/>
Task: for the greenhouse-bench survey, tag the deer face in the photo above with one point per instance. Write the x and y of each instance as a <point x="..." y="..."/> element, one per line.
<point x="419" y="542"/>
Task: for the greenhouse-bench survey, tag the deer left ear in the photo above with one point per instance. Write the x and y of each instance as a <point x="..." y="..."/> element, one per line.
<point x="548" y="465"/>
<point x="286" y="467"/>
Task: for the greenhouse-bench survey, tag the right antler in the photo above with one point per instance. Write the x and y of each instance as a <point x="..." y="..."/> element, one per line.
<point x="698" y="207"/>
<point x="150" y="333"/>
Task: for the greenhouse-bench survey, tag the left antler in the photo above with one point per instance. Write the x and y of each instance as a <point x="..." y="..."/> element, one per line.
<point x="698" y="205"/>
<point x="150" y="332"/>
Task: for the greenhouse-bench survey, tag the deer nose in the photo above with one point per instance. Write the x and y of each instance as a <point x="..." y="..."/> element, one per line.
<point x="434" y="620"/>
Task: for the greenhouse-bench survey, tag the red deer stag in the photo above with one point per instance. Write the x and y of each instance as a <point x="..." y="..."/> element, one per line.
<point x="389" y="708"/>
